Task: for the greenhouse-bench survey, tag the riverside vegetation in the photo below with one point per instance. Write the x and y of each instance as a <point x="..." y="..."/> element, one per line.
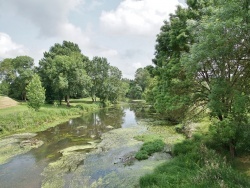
<point x="21" y="118"/>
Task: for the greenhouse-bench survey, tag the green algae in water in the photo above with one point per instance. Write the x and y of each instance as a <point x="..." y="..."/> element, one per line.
<point x="12" y="146"/>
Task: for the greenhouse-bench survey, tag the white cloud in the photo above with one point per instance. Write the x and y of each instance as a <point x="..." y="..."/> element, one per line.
<point x="10" y="49"/>
<point x="49" y="16"/>
<point x="108" y="53"/>
<point x="68" y="31"/>
<point x="138" y="17"/>
<point x="137" y="65"/>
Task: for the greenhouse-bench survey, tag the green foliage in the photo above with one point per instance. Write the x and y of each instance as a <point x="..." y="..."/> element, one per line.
<point x="87" y="107"/>
<point x="35" y="93"/>
<point x="15" y="75"/>
<point x="195" y="166"/>
<point x="141" y="155"/>
<point x="142" y="78"/>
<point x="152" y="147"/>
<point x="63" y="72"/>
<point x="201" y="60"/>
<point x="4" y="88"/>
<point x="105" y="80"/>
<point x="148" y="148"/>
<point x="138" y="86"/>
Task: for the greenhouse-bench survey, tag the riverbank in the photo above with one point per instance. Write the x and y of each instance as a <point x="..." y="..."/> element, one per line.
<point x="19" y="125"/>
<point x="21" y="119"/>
<point x="198" y="163"/>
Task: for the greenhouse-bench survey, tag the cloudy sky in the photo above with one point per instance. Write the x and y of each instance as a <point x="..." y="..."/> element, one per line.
<point x="123" y="31"/>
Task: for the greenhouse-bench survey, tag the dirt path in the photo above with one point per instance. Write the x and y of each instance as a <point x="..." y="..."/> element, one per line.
<point x="6" y="102"/>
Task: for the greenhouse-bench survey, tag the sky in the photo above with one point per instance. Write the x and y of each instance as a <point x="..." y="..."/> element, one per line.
<point x="123" y="31"/>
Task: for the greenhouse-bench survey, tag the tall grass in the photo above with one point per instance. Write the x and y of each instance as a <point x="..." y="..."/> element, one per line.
<point x="194" y="165"/>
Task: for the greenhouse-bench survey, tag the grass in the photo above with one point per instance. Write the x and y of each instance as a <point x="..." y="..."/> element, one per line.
<point x="194" y="165"/>
<point x="148" y="148"/>
<point x="242" y="163"/>
<point x="195" y="162"/>
<point x="20" y="118"/>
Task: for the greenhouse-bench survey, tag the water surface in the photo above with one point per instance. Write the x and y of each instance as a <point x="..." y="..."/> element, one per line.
<point x="24" y="170"/>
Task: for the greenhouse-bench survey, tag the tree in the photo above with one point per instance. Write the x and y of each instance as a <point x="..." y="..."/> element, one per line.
<point x="35" y="93"/>
<point x="172" y="92"/>
<point x="63" y="72"/>
<point x="124" y="89"/>
<point x="219" y="63"/>
<point x="97" y="70"/>
<point x="105" y="80"/>
<point x="135" y="91"/>
<point x="111" y="86"/>
<point x="142" y="78"/>
<point x="16" y="74"/>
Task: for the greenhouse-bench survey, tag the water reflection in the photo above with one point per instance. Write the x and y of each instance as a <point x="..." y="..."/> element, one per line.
<point x="79" y="131"/>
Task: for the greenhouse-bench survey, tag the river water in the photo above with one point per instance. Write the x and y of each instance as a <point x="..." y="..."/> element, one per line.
<point x="24" y="171"/>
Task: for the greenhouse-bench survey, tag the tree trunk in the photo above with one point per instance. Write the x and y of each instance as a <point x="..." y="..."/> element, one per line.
<point x="24" y="96"/>
<point x="232" y="148"/>
<point x="220" y="117"/>
<point x="67" y="100"/>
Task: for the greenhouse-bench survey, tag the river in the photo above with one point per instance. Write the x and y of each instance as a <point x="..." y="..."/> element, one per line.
<point x="24" y="170"/>
<point x="89" y="151"/>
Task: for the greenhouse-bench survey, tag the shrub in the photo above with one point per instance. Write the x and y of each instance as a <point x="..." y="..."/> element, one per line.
<point x="35" y="93"/>
<point x="141" y="155"/>
<point x="152" y="147"/>
<point x="148" y="148"/>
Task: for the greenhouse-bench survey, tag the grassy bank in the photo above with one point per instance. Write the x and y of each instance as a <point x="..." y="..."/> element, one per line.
<point x="20" y="118"/>
<point x="197" y="163"/>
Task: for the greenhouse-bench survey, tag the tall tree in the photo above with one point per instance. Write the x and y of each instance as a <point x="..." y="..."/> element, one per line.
<point x="97" y="69"/>
<point x="172" y="93"/>
<point x="219" y="62"/>
<point x="63" y="71"/>
<point x="111" y="86"/>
